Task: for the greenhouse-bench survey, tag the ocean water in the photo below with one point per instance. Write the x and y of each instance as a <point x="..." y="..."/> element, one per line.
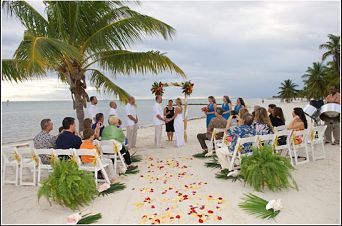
<point x="21" y="119"/>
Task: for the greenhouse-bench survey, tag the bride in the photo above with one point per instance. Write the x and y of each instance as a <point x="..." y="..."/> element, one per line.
<point x="178" y="123"/>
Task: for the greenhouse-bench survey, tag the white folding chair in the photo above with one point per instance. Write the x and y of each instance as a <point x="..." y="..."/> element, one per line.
<point x="41" y="165"/>
<point x="267" y="139"/>
<point x="303" y="134"/>
<point x="95" y="166"/>
<point x="283" y="149"/>
<point x="241" y="142"/>
<point x="11" y="158"/>
<point x="213" y="141"/>
<point x="316" y="136"/>
<point x="28" y="160"/>
<point x="111" y="149"/>
<point x="60" y="153"/>
<point x="279" y="128"/>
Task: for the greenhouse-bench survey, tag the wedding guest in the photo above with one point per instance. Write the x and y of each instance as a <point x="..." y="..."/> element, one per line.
<point x="92" y="108"/>
<point x="234" y="119"/>
<point x="256" y="107"/>
<point x="240" y="104"/>
<point x="131" y="122"/>
<point x="299" y="121"/>
<point x="262" y="123"/>
<point x="60" y="130"/>
<point x="245" y="129"/>
<point x="98" y="126"/>
<point x="212" y="107"/>
<point x="112" y="132"/>
<point x="169" y="112"/>
<point x="227" y="107"/>
<point x="112" y="108"/>
<point x="270" y="110"/>
<point x="87" y="143"/>
<point x="68" y="139"/>
<point x="333" y="125"/>
<point x="278" y="117"/>
<point x="44" y="139"/>
<point x="158" y="120"/>
<point x="87" y="124"/>
<point x="217" y="122"/>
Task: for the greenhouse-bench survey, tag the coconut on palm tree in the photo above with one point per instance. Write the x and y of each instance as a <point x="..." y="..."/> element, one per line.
<point x="332" y="48"/>
<point x="316" y="81"/>
<point x="84" y="41"/>
<point x="288" y="90"/>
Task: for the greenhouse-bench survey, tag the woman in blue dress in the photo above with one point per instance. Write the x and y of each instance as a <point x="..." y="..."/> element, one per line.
<point x="212" y="106"/>
<point x="239" y="105"/>
<point x="227" y="107"/>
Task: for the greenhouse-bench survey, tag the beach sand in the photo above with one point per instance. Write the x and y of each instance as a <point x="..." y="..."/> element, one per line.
<point x="173" y="169"/>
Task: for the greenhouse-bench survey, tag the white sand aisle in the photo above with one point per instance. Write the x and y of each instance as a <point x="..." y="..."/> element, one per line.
<point x="181" y="184"/>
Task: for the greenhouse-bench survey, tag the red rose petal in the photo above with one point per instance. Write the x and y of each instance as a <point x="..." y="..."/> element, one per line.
<point x="153" y="207"/>
<point x="210" y="211"/>
<point x="200" y="220"/>
<point x="177" y="216"/>
<point x="219" y="218"/>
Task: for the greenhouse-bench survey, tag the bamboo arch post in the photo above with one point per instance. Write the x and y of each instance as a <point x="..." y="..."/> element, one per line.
<point x="185" y="118"/>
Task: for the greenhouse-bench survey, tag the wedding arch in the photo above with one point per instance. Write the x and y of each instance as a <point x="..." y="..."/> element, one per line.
<point x="158" y="89"/>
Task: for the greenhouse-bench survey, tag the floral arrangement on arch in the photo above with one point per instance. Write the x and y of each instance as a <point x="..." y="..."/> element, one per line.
<point x="157" y="88"/>
<point x="187" y="87"/>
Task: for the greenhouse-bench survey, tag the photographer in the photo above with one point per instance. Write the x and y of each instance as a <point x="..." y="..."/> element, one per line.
<point x="98" y="125"/>
<point x="234" y="119"/>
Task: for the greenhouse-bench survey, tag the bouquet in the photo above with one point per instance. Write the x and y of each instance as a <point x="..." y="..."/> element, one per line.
<point x="205" y="109"/>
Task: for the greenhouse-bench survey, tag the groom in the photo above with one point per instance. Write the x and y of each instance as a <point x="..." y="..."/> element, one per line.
<point x="158" y="120"/>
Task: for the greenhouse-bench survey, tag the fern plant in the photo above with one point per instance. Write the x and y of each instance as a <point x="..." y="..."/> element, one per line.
<point x="68" y="186"/>
<point x="265" y="169"/>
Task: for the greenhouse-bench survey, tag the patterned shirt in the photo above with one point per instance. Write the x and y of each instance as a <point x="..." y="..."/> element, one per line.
<point x="44" y="140"/>
<point x="240" y="131"/>
<point x="261" y="128"/>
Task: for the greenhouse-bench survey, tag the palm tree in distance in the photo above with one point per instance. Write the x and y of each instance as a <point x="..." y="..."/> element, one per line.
<point x="84" y="41"/>
<point x="315" y="80"/>
<point x="332" y="48"/>
<point x="288" y="90"/>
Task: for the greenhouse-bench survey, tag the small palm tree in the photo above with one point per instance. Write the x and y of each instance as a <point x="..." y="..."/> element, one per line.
<point x="288" y="90"/>
<point x="332" y="48"/>
<point x="79" y="39"/>
<point x="315" y="80"/>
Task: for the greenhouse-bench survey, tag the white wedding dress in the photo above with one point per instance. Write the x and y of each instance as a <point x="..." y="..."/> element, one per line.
<point x="178" y="124"/>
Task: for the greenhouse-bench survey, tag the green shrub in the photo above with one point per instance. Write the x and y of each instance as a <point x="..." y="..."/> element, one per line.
<point x="68" y="186"/>
<point x="263" y="168"/>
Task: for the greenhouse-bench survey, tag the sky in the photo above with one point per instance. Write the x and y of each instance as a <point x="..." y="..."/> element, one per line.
<point x="235" y="48"/>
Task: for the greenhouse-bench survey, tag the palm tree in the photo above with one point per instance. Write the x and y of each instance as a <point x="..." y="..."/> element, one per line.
<point x="333" y="49"/>
<point x="315" y="80"/>
<point x="332" y="74"/>
<point x="288" y="90"/>
<point x="85" y="39"/>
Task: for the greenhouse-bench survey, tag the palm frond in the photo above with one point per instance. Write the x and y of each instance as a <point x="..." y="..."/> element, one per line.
<point x="113" y="188"/>
<point x="28" y="16"/>
<point x="11" y="71"/>
<point x="223" y="174"/>
<point x="90" y="219"/>
<point x="200" y="155"/>
<point x="100" y="81"/>
<point x="132" y="170"/>
<point x="213" y="164"/>
<point x="255" y="205"/>
<point x="136" y="158"/>
<point x="127" y="62"/>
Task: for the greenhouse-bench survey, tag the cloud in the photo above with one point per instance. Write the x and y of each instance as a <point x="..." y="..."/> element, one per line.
<point x="228" y="48"/>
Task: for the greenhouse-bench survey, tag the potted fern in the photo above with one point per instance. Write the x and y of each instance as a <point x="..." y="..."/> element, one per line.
<point x="265" y="169"/>
<point x="68" y="186"/>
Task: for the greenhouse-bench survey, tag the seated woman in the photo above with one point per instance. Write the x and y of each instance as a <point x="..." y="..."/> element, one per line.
<point x="262" y="122"/>
<point x="299" y="120"/>
<point x="87" y="143"/>
<point x="87" y="124"/>
<point x="277" y="118"/>
<point x="234" y="119"/>
<point x="112" y="132"/>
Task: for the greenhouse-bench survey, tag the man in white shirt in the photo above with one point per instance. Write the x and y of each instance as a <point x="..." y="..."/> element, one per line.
<point x="112" y="110"/>
<point x="158" y="120"/>
<point x="131" y="119"/>
<point x="92" y="108"/>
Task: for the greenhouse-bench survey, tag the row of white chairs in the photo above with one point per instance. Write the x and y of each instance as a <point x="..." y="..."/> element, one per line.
<point x="23" y="157"/>
<point x="312" y="136"/>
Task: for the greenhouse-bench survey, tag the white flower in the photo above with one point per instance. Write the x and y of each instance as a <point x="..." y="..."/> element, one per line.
<point x="73" y="218"/>
<point x="103" y="187"/>
<point x="234" y="173"/>
<point x="275" y="205"/>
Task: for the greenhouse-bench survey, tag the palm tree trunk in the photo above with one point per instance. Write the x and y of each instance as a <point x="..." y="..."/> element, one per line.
<point x="79" y="111"/>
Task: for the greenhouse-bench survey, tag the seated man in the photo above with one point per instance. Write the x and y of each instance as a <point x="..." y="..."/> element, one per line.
<point x="244" y="129"/>
<point x="112" y="132"/>
<point x="68" y="139"/>
<point x="44" y="139"/>
<point x="217" y="122"/>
